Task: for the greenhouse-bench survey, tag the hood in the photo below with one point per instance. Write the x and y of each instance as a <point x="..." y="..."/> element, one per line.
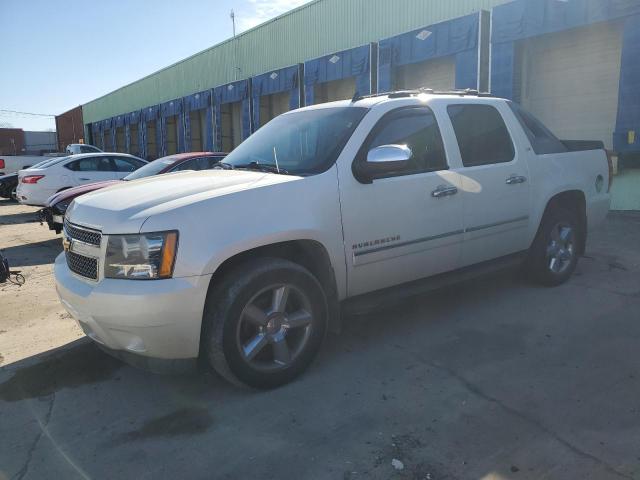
<point x="124" y="207"/>
<point x="71" y="193"/>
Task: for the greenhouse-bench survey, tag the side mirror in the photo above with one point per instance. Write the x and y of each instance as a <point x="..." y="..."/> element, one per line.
<point x="389" y="156"/>
<point x="382" y="160"/>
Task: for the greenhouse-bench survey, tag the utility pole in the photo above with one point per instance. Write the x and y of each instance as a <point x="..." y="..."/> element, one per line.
<point x="235" y="45"/>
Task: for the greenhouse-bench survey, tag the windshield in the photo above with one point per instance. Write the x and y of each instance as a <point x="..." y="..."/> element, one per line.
<point x="299" y="143"/>
<point x="151" y="168"/>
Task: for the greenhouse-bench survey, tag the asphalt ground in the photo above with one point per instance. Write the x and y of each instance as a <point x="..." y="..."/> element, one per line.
<point x="491" y="379"/>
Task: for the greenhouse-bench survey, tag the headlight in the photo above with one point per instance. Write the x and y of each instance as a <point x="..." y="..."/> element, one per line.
<point x="147" y="256"/>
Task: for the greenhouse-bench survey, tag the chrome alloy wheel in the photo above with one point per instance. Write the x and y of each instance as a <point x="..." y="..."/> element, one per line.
<point x="561" y="248"/>
<point x="274" y="327"/>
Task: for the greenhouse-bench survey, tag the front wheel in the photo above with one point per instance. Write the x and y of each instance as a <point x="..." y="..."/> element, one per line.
<point x="264" y="323"/>
<point x="553" y="257"/>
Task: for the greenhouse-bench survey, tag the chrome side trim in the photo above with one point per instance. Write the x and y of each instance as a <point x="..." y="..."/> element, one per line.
<point x="497" y="224"/>
<point x="409" y="242"/>
<point x="438" y="237"/>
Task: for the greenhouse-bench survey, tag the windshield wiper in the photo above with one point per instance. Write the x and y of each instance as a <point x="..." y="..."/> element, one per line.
<point x="262" y="167"/>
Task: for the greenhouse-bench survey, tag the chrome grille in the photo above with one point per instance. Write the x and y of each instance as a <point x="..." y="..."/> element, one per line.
<point x="85" y="266"/>
<point x="91" y="237"/>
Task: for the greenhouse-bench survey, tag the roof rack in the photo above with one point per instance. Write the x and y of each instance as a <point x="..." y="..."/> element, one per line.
<point x="422" y="91"/>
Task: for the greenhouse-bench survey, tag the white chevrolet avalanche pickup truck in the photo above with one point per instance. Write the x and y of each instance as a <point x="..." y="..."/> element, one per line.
<point x="324" y="208"/>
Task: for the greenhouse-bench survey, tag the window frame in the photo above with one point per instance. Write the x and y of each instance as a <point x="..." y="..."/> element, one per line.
<point x="358" y="166"/>
<point x="507" y="129"/>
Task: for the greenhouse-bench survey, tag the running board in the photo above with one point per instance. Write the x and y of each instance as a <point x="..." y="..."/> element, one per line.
<point x="387" y="297"/>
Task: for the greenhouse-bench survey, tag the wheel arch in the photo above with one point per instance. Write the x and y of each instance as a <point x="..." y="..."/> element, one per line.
<point x="575" y="201"/>
<point x="310" y="254"/>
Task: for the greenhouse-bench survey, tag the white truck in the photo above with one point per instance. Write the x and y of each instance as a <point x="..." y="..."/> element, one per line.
<point x="330" y="207"/>
<point x="10" y="164"/>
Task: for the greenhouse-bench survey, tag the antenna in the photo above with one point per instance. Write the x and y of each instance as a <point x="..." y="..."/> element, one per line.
<point x="275" y="156"/>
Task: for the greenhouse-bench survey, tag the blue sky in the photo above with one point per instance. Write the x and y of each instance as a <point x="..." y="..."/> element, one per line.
<point x="57" y="54"/>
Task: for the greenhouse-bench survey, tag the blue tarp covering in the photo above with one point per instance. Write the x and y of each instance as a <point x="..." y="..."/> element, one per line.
<point x="629" y="97"/>
<point x="198" y="101"/>
<point x="168" y="109"/>
<point x="96" y="135"/>
<point x="231" y="93"/>
<point x="523" y="19"/>
<point x="119" y="121"/>
<point x="132" y="118"/>
<point x="104" y="126"/>
<point x="454" y="37"/>
<point x="277" y="81"/>
<point x="527" y="18"/>
<point x="148" y="114"/>
<point x="337" y="66"/>
<point x="503" y="63"/>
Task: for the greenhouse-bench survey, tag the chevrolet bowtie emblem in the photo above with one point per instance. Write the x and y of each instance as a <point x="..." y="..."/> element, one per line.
<point x="66" y="243"/>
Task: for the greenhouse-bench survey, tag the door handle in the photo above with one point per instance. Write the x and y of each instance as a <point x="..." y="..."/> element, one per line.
<point x="84" y="178"/>
<point x="444" y="191"/>
<point x="516" y="179"/>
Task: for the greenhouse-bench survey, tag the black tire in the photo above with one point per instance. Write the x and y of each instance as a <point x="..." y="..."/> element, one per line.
<point x="538" y="266"/>
<point x="223" y="314"/>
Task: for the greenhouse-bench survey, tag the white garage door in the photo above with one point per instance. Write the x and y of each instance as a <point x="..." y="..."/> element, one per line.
<point x="570" y="80"/>
<point x="438" y="74"/>
<point x="335" y="90"/>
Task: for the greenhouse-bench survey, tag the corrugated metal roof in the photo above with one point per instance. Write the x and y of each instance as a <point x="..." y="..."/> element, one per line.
<point x="311" y="30"/>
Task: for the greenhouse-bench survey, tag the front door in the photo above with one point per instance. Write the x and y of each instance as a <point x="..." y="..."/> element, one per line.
<point x="495" y="183"/>
<point x="406" y="224"/>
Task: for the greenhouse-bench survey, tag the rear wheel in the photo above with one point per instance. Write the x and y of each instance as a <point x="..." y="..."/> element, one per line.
<point x="554" y="254"/>
<point x="264" y="323"/>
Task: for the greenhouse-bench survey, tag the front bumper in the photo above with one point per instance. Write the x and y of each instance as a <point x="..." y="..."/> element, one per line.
<point x="54" y="220"/>
<point x="156" y="319"/>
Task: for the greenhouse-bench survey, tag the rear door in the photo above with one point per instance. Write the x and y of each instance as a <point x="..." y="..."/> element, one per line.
<point x="91" y="169"/>
<point x="495" y="181"/>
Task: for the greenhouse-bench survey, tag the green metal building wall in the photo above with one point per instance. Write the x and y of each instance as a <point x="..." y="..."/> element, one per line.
<point x="312" y="30"/>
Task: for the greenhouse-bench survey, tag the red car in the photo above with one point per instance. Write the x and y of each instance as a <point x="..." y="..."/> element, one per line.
<point x="57" y="204"/>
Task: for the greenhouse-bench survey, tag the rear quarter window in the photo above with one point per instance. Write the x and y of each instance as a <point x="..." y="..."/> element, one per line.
<point x="542" y="140"/>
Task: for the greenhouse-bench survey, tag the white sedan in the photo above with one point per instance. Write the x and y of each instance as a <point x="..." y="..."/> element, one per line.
<point x="36" y="185"/>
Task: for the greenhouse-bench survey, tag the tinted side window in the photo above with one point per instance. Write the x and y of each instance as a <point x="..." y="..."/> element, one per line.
<point x="482" y="136"/>
<point x="418" y="129"/>
<point x="188" y="165"/>
<point x="72" y="166"/>
<point x="541" y="138"/>
<point x="204" y="163"/>
<point x="93" y="164"/>
<point x="87" y="150"/>
<point x="124" y="164"/>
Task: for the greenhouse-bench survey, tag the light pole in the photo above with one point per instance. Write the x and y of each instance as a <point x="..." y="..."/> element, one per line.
<point x="235" y="45"/>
